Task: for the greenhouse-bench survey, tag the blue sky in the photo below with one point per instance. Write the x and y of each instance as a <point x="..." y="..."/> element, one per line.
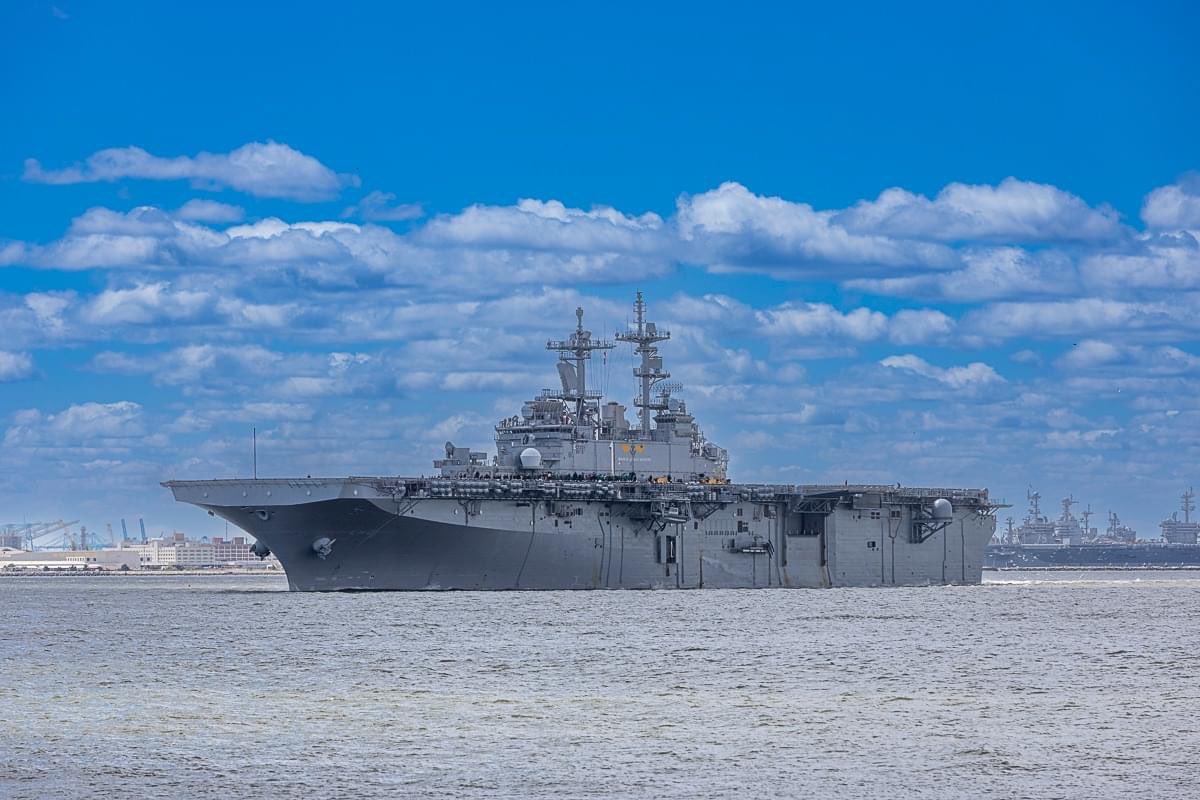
<point x="939" y="244"/>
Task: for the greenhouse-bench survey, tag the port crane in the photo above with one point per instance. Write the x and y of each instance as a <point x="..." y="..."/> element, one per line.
<point x="30" y="533"/>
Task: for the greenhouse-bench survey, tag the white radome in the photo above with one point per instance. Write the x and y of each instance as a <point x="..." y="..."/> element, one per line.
<point x="942" y="509"/>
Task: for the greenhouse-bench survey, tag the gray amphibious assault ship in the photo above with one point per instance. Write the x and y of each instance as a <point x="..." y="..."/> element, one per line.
<point x="576" y="497"/>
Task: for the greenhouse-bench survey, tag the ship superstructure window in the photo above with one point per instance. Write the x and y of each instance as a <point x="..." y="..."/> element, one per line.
<point x="739" y="511"/>
<point x="875" y="515"/>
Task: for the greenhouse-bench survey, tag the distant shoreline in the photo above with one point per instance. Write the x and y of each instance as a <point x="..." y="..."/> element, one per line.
<point x="141" y="573"/>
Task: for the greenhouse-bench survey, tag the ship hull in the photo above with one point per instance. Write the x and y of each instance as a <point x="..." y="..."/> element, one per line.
<point x="333" y="535"/>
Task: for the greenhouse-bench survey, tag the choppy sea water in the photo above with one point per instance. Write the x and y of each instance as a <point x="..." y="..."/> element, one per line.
<point x="1032" y="685"/>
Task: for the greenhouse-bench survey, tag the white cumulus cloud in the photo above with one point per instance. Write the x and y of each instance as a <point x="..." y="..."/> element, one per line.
<point x="917" y="326"/>
<point x="1082" y="316"/>
<point x="77" y="424"/>
<point x="1014" y="210"/>
<point x="819" y="319"/>
<point x="1167" y="261"/>
<point x="198" y="210"/>
<point x="972" y="375"/>
<point x="991" y="273"/>
<point x="732" y="228"/>
<point x="382" y="207"/>
<point x="264" y="169"/>
<point x="145" y="303"/>
<point x="1128" y="359"/>
<point x="15" y="366"/>
<point x="1174" y="207"/>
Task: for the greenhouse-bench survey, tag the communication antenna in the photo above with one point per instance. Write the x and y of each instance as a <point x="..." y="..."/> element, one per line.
<point x="254" y="452"/>
<point x="604" y="362"/>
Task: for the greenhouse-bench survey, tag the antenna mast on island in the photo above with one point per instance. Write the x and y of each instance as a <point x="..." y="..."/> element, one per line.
<point x="577" y="348"/>
<point x="650" y="371"/>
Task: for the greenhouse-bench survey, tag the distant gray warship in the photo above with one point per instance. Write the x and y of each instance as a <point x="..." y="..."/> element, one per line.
<point x="578" y="498"/>
<point x="1040" y="543"/>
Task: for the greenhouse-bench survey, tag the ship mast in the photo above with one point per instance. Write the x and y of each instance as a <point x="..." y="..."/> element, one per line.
<point x="1035" y="509"/>
<point x="1067" y="502"/>
<point x="578" y="348"/>
<point x="649" y="371"/>
<point x="1189" y="504"/>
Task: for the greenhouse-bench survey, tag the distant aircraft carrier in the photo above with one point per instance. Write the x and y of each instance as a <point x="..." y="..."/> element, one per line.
<point x="1041" y="543"/>
<point x="578" y="498"/>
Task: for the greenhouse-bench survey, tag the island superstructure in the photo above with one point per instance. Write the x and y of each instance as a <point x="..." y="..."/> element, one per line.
<point x="1186" y="530"/>
<point x="578" y="497"/>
